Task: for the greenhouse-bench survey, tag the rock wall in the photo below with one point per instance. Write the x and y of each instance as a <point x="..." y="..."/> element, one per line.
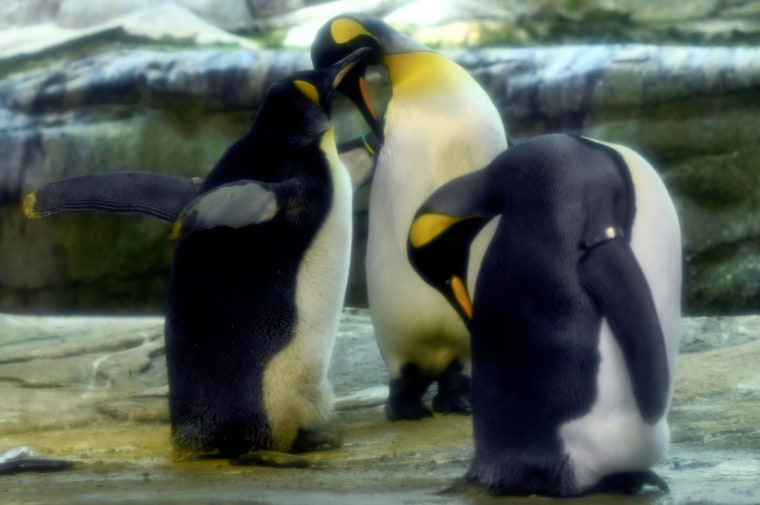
<point x="452" y="23"/>
<point x="691" y="111"/>
<point x="137" y="92"/>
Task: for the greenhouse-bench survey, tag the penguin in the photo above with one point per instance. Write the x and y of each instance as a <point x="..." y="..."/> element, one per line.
<point x="438" y="124"/>
<point x="258" y="275"/>
<point x="258" y="280"/>
<point x="575" y="313"/>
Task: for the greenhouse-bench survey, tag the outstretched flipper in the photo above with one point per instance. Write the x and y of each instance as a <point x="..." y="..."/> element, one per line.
<point x="612" y="276"/>
<point x="442" y="231"/>
<point x="237" y="204"/>
<point x="143" y="193"/>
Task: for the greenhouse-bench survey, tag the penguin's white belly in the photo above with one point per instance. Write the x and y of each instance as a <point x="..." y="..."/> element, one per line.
<point x="413" y="322"/>
<point x="297" y="393"/>
<point x="613" y="437"/>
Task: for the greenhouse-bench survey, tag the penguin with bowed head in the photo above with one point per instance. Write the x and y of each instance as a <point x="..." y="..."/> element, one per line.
<point x="439" y="123"/>
<point x="258" y="276"/>
<point x="575" y="313"/>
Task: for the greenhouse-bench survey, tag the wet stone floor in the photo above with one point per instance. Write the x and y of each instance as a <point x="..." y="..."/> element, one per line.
<point x="92" y="390"/>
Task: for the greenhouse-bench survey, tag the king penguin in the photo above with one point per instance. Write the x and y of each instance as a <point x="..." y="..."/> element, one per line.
<point x="575" y="313"/>
<point x="258" y="276"/>
<point x="439" y="123"/>
<point x="258" y="279"/>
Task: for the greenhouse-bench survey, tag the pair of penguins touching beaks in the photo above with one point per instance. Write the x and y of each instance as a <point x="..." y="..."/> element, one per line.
<point x="559" y="263"/>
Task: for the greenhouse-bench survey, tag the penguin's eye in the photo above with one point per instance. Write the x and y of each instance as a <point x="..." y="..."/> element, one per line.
<point x="309" y="91"/>
<point x="344" y="30"/>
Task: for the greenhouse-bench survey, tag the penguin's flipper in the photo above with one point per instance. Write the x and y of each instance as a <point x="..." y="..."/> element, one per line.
<point x="143" y="193"/>
<point x="439" y="239"/>
<point x="612" y="276"/>
<point x="237" y="204"/>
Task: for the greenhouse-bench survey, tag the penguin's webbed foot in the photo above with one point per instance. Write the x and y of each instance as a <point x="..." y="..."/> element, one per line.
<point x="451" y="401"/>
<point x="453" y="391"/>
<point x="398" y="409"/>
<point x="405" y="395"/>
<point x="315" y="440"/>
<point x="630" y="483"/>
<point x="272" y="459"/>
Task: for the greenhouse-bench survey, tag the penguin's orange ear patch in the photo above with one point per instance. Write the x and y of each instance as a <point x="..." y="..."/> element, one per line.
<point x="308" y="90"/>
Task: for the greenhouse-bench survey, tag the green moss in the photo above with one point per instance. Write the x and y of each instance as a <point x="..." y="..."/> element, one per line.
<point x="725" y="279"/>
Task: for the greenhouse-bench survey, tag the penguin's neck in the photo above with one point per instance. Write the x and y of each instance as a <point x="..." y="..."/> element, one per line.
<point x="423" y="73"/>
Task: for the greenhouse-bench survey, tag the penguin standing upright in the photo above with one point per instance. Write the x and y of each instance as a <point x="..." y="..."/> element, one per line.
<point x="258" y="279"/>
<point x="575" y="313"/>
<point x="439" y="123"/>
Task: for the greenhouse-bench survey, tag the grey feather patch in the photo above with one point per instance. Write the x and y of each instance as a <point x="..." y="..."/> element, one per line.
<point x="234" y="205"/>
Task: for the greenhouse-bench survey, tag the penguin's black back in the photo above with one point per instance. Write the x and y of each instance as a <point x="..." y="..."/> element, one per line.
<point x="535" y="329"/>
<point x="231" y="308"/>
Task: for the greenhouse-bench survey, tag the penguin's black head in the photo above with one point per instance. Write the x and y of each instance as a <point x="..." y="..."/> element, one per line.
<point x="302" y="102"/>
<point x="348" y="32"/>
<point x="438" y="249"/>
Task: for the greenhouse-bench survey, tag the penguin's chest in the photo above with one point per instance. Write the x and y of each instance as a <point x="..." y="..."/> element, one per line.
<point x="429" y="141"/>
<point x="322" y="274"/>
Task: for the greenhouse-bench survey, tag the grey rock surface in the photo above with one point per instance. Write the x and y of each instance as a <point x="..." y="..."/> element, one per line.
<point x="691" y="110"/>
<point x="93" y="390"/>
<point x="455" y="23"/>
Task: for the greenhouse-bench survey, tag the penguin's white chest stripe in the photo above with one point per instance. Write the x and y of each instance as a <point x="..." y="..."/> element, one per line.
<point x="296" y="391"/>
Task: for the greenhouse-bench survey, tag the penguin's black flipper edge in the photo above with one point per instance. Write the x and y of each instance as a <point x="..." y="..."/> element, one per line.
<point x="612" y="276"/>
<point x="137" y="193"/>
<point x="237" y="204"/>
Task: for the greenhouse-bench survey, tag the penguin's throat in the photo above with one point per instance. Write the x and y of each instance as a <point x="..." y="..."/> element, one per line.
<point x="423" y="73"/>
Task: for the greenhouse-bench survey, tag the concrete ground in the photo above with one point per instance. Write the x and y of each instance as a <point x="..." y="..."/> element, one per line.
<point x="92" y="391"/>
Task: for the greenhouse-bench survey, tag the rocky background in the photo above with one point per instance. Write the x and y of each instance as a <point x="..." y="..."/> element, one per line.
<point x="89" y="86"/>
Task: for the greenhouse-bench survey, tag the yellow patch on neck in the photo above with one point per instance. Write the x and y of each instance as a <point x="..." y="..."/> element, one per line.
<point x="327" y="145"/>
<point x="344" y="30"/>
<point x="424" y="73"/>
<point x="309" y="91"/>
<point x="428" y="226"/>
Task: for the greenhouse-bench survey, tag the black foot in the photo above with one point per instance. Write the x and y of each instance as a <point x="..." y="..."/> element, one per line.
<point x="405" y="398"/>
<point x="400" y="409"/>
<point x="630" y="483"/>
<point x="453" y="391"/>
<point x="315" y="440"/>
<point x="272" y="459"/>
<point x="456" y="403"/>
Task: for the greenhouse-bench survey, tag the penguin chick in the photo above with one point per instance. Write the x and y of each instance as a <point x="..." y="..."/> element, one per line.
<point x="575" y="313"/>
<point x="439" y="123"/>
<point x="258" y="279"/>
